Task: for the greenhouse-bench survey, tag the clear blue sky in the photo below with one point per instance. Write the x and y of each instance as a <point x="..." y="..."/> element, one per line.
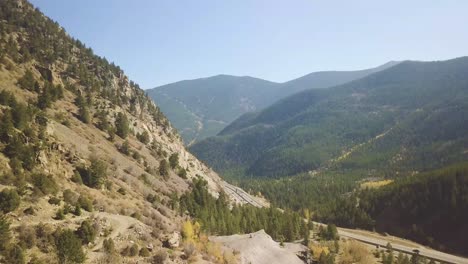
<point x="162" y="41"/>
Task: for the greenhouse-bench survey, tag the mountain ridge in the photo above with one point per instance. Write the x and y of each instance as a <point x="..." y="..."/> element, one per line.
<point x="357" y="111"/>
<point x="201" y="116"/>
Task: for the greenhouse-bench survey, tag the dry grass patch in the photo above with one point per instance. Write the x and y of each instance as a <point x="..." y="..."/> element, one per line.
<point x="355" y="252"/>
<point x="375" y="184"/>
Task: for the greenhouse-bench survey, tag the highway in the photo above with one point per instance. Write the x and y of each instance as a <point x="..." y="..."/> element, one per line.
<point x="240" y="195"/>
<point x="376" y="239"/>
<point x="370" y="238"/>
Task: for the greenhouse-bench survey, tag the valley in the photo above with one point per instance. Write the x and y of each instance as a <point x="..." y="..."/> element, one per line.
<point x="355" y="166"/>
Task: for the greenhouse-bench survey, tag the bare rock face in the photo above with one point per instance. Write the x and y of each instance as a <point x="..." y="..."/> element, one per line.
<point x="173" y="241"/>
<point x="45" y="72"/>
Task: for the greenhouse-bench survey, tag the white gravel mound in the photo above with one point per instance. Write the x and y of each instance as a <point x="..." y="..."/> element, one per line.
<point x="258" y="248"/>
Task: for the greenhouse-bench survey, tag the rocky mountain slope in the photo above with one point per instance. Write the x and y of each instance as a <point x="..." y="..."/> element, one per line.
<point x="203" y="107"/>
<point x="84" y="153"/>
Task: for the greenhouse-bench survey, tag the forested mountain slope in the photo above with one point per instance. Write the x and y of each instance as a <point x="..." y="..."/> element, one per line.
<point x="430" y="208"/>
<point x="412" y="116"/>
<point x="203" y="107"/>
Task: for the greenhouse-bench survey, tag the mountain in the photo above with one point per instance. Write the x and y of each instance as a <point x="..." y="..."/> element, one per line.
<point x="203" y="107"/>
<point x="325" y="79"/>
<point x="90" y="168"/>
<point x="409" y="117"/>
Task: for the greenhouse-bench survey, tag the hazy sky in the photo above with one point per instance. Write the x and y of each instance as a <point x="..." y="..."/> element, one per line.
<point x="162" y="41"/>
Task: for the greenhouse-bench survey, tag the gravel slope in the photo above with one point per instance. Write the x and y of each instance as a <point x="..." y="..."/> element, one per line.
<point x="258" y="248"/>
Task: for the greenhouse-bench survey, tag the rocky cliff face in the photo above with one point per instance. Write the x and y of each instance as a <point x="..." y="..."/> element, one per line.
<point x="81" y="142"/>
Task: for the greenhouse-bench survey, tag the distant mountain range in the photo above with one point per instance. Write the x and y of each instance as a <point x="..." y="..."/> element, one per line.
<point x="409" y="117"/>
<point x="203" y="107"/>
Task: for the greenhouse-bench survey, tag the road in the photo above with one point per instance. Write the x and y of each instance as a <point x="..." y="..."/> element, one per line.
<point x="381" y="241"/>
<point x="371" y="238"/>
<point x="241" y="195"/>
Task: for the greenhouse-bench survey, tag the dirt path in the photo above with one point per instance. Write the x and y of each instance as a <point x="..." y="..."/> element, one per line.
<point x="120" y="225"/>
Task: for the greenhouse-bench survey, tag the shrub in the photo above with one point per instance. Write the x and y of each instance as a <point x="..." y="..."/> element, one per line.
<point x="145" y="179"/>
<point x="163" y="168"/>
<point x="44" y="237"/>
<point x="144" y="252"/>
<point x="85" y="203"/>
<point x="77" y="210"/>
<point x="27" y="81"/>
<point x="67" y="209"/>
<point x="76" y="178"/>
<point x="136" y="155"/>
<point x="151" y="198"/>
<point x="69" y="248"/>
<point x="70" y="197"/>
<point x="134" y="250"/>
<point x="143" y="137"/>
<point x="86" y="232"/>
<point x="16" y="166"/>
<point x="136" y="215"/>
<point x="15" y="255"/>
<point x="27" y="236"/>
<point x="9" y="200"/>
<point x="174" y="160"/>
<point x="108" y="245"/>
<point x="59" y="215"/>
<point x="125" y="148"/>
<point x="130" y="251"/>
<point x="95" y="175"/>
<point x="182" y="173"/>
<point x="189" y="249"/>
<point x="45" y="184"/>
<point x="54" y="200"/>
<point x="29" y="211"/>
<point x="160" y="257"/>
<point x="122" y="191"/>
<point x="103" y="123"/>
<point x="122" y="125"/>
<point x="36" y="260"/>
<point x="84" y="115"/>
<point x="5" y="235"/>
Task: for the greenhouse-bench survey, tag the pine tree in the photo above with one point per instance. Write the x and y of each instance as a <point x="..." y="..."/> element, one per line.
<point x="144" y="137"/>
<point x="163" y="168"/>
<point x="15" y="255"/>
<point x="6" y="126"/>
<point x="86" y="232"/>
<point x="69" y="248"/>
<point x="103" y="123"/>
<point x="9" y="200"/>
<point x="5" y="235"/>
<point x="27" y="81"/>
<point x="44" y="100"/>
<point x="21" y="115"/>
<point x="84" y="114"/>
<point x="174" y="160"/>
<point x="95" y="175"/>
<point x="122" y="125"/>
